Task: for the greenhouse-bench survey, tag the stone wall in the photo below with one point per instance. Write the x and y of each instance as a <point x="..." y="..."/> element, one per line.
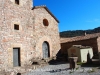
<point x="31" y="34"/>
<point x="11" y="38"/>
<point x="98" y="44"/>
<point x="43" y="33"/>
<point x="88" y="42"/>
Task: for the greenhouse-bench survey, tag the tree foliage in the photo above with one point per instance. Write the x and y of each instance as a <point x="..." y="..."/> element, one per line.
<point x="73" y="33"/>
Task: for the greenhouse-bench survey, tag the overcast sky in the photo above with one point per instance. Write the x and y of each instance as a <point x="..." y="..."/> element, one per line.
<point x="74" y="14"/>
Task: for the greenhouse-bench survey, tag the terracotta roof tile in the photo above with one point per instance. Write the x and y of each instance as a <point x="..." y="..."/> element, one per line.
<point x="77" y="38"/>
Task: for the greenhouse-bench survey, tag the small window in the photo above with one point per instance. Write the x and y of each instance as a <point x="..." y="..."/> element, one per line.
<point x="45" y="22"/>
<point x="17" y="2"/>
<point x="16" y="27"/>
<point x="18" y="73"/>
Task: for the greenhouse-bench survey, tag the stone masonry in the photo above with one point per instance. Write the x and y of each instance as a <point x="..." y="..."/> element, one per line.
<point x="31" y="32"/>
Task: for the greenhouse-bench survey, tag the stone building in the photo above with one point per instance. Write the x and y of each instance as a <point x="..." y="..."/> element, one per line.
<point x="92" y="40"/>
<point x="26" y="33"/>
<point x="81" y="52"/>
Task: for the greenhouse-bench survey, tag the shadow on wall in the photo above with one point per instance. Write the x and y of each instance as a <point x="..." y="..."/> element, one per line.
<point x="60" y="59"/>
<point x="89" y="60"/>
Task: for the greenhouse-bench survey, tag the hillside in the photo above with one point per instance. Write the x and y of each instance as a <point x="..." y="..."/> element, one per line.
<point x="73" y="33"/>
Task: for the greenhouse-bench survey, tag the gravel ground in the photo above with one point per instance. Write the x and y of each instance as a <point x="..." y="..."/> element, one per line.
<point x="62" y="69"/>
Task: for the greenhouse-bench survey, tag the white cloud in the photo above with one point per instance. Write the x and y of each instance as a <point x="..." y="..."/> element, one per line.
<point x="95" y="20"/>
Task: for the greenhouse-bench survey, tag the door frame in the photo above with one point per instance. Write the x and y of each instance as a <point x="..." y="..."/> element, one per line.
<point x="48" y="49"/>
<point x="19" y="56"/>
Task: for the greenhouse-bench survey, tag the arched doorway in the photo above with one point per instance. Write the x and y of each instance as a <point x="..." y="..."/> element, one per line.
<point x="45" y="49"/>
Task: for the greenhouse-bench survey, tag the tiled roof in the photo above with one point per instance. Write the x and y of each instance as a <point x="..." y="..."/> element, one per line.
<point x="78" y="38"/>
<point x="43" y="6"/>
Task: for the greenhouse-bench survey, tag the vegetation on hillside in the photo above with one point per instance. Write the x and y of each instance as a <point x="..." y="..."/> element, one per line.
<point x="73" y="33"/>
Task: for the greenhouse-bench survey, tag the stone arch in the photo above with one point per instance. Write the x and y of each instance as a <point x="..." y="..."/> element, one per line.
<point x="45" y="50"/>
<point x="39" y="46"/>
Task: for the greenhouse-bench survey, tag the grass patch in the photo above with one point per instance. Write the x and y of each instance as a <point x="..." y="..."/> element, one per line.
<point x="79" y="63"/>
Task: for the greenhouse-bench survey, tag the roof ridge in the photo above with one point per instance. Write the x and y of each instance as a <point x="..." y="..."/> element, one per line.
<point x="77" y="38"/>
<point x="44" y="6"/>
<point x="40" y="6"/>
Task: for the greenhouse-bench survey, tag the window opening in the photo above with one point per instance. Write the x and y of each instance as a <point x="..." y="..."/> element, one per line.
<point x="16" y="27"/>
<point x="17" y="2"/>
<point x="45" y="22"/>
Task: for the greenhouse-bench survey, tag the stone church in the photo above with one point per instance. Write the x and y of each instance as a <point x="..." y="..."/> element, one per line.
<point x="26" y="32"/>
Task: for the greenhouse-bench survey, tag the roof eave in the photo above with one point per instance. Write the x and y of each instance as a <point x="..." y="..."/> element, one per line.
<point x="47" y="11"/>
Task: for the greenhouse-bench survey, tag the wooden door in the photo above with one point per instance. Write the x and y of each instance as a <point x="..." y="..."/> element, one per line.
<point x="16" y="57"/>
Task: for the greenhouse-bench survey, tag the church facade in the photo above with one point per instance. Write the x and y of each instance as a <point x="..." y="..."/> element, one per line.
<point x="26" y="33"/>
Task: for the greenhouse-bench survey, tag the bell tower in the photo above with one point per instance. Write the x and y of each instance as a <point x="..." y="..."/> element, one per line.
<point x="23" y="3"/>
<point x="14" y="23"/>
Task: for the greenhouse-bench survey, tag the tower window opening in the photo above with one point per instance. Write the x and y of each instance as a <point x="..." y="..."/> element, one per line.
<point x="16" y="27"/>
<point x="17" y="2"/>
